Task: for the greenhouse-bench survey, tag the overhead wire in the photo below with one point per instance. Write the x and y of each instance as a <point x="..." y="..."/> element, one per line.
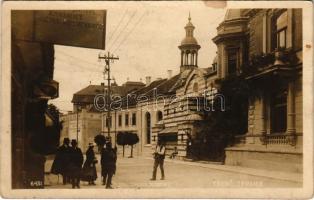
<point x="77" y="58"/>
<point x="78" y="65"/>
<point x="116" y="28"/>
<point x="130" y="32"/>
<point x="122" y="30"/>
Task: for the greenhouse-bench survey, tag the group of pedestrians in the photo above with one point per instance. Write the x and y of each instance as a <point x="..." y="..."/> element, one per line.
<point x="69" y="163"/>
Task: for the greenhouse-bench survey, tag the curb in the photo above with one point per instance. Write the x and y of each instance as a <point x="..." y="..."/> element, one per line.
<point x="278" y="175"/>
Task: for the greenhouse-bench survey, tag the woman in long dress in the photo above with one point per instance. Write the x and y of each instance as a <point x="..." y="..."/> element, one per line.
<point x="89" y="168"/>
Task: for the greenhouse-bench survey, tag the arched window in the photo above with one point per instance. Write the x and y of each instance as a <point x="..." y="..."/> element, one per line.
<point x="148" y="127"/>
<point x="282" y="23"/>
<point x="159" y="116"/>
<point x="195" y="87"/>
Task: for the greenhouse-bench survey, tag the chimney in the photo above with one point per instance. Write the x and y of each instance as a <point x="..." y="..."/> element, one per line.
<point x="169" y="73"/>
<point x="148" y="80"/>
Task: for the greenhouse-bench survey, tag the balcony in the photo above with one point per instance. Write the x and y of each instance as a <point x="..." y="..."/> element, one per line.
<point x="279" y="62"/>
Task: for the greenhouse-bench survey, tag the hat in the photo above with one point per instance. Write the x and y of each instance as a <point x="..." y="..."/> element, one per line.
<point x="74" y="142"/>
<point x="108" y="144"/>
<point x="66" y="140"/>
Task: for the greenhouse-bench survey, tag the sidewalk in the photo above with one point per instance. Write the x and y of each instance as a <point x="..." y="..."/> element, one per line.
<point x="278" y="175"/>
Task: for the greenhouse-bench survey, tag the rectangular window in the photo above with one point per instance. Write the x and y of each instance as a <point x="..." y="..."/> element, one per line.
<point x="279" y="111"/>
<point x="108" y="121"/>
<point x="126" y="119"/>
<point x="282" y="38"/>
<point x="133" y="119"/>
<point x="120" y="120"/>
<point x="232" y="62"/>
<point x="215" y="67"/>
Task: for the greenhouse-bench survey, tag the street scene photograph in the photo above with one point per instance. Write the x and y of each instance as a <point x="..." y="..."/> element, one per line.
<point x="156" y="95"/>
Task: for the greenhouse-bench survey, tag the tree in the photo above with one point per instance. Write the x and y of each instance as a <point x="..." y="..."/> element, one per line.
<point x="127" y="138"/>
<point x="54" y="112"/>
<point x="121" y="140"/>
<point x="100" y="140"/>
<point x="221" y="127"/>
<point x="132" y="139"/>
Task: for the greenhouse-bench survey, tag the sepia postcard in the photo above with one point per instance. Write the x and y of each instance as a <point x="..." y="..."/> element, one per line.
<point x="156" y="99"/>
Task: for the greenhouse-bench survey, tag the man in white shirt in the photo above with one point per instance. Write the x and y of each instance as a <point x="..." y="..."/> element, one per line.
<point x="159" y="156"/>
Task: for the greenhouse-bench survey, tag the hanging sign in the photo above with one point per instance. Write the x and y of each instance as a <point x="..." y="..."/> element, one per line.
<point x="82" y="28"/>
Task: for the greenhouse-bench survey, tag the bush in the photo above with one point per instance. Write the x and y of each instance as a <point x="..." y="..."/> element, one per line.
<point x="100" y="140"/>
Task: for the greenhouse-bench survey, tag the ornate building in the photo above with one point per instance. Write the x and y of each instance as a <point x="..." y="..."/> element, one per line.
<point x="265" y="47"/>
<point x="184" y="114"/>
<point x="172" y="108"/>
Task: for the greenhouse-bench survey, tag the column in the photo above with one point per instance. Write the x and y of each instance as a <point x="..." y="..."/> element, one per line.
<point x="182" y="58"/>
<point x="263" y="114"/>
<point x="196" y="59"/>
<point x="265" y="33"/>
<point x="186" y="58"/>
<point x="291" y="109"/>
<point x="192" y="59"/>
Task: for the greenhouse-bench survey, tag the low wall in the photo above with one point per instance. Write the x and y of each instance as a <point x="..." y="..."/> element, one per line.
<point x="266" y="159"/>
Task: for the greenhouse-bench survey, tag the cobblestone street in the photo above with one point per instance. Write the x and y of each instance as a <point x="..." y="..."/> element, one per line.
<point x="136" y="172"/>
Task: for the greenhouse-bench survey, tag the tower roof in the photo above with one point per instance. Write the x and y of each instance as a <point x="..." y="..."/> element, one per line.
<point x="189" y="24"/>
<point x="189" y="37"/>
<point x="189" y="41"/>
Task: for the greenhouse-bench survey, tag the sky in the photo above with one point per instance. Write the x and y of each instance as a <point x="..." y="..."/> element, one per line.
<point x="145" y="36"/>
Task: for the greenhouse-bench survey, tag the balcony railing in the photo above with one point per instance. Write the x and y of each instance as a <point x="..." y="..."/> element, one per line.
<point x="270" y="139"/>
<point x="279" y="139"/>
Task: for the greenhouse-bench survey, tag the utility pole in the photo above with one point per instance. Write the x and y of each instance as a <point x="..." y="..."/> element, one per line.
<point x="108" y="59"/>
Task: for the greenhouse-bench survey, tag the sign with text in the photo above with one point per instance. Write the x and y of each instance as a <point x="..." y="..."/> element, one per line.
<point x="81" y="28"/>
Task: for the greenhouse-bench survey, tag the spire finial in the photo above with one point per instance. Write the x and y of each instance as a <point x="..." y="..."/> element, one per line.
<point x="189" y="16"/>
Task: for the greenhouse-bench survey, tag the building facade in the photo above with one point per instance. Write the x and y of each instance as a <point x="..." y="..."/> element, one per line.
<point x="87" y="120"/>
<point x="265" y="47"/>
<point x="82" y="126"/>
<point x="169" y="109"/>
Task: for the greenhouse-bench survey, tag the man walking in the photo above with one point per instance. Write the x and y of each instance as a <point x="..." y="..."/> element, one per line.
<point x="159" y="156"/>
<point x="76" y="161"/>
<point x="108" y="164"/>
<point x="60" y="164"/>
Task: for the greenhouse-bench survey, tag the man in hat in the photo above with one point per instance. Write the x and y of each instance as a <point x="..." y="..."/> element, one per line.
<point x="108" y="164"/>
<point x="76" y="161"/>
<point x="61" y="163"/>
<point x="159" y="155"/>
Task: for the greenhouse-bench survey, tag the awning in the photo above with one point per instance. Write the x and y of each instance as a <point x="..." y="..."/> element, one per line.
<point x="169" y="130"/>
<point x="194" y="117"/>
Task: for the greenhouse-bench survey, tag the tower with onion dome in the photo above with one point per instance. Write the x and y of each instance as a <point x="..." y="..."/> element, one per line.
<point x="189" y="48"/>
